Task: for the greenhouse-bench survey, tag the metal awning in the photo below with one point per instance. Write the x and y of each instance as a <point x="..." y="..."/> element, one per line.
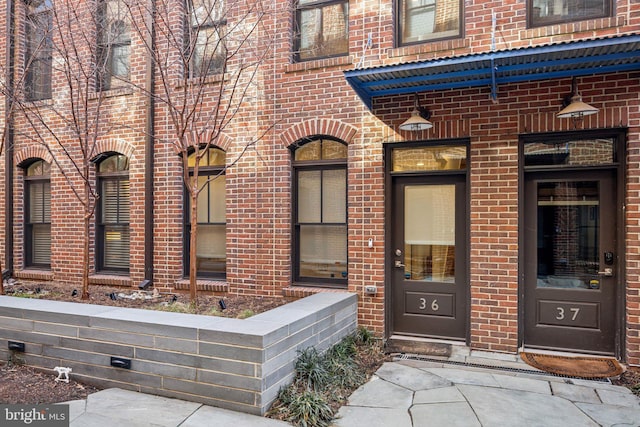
<point x="491" y="69"/>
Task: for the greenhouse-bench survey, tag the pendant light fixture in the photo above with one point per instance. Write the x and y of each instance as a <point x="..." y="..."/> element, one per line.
<point x="419" y="119"/>
<point x="574" y="107"/>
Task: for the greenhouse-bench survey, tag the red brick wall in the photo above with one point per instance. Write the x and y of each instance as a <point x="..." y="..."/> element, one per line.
<point x="292" y="101"/>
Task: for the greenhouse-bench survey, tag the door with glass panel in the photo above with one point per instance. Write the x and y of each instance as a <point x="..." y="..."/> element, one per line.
<point x="570" y="261"/>
<point x="429" y="279"/>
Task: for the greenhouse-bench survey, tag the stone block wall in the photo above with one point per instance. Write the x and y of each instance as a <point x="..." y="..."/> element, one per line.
<point x="230" y="363"/>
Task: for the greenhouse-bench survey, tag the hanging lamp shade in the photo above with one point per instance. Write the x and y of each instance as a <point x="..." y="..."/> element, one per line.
<point x="576" y="108"/>
<point x="418" y="120"/>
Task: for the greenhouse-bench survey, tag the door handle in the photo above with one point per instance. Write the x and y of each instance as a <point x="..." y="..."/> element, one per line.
<point x="398" y="264"/>
<point x="608" y="272"/>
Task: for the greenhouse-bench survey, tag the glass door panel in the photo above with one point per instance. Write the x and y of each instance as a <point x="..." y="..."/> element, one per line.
<point x="568" y="235"/>
<point x="429" y="240"/>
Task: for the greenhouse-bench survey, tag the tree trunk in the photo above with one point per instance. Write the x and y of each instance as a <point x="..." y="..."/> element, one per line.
<point x="193" y="246"/>
<point x="85" y="244"/>
<point x="85" y="258"/>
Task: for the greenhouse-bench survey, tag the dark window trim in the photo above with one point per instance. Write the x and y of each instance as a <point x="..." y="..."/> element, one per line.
<point x="399" y="27"/>
<point x="313" y="165"/>
<point x="297" y="33"/>
<point x="44" y="56"/>
<point x="551" y="21"/>
<point x="191" y="33"/>
<point x="618" y="135"/>
<point x="28" y="225"/>
<point x="202" y="171"/>
<point x="100" y="224"/>
<point x="106" y="47"/>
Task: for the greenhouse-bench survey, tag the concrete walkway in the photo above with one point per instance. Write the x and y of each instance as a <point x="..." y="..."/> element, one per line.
<point x="123" y="408"/>
<point x="408" y="392"/>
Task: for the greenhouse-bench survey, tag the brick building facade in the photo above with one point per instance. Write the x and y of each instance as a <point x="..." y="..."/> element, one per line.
<point x="518" y="184"/>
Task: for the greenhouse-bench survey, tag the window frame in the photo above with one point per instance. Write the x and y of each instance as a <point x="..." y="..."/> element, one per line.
<point x="443" y="35"/>
<point x="192" y="33"/>
<point x="38" y="62"/>
<point x="317" y="165"/>
<point x="101" y="225"/>
<point x="608" y="12"/>
<point x="206" y="171"/>
<point x="29" y="225"/>
<point x="108" y="45"/>
<point x="297" y="40"/>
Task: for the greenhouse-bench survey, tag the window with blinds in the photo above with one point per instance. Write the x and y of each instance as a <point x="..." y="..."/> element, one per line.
<point x="321" y="212"/>
<point x="37" y="242"/>
<point x="113" y="236"/>
<point x="211" y="250"/>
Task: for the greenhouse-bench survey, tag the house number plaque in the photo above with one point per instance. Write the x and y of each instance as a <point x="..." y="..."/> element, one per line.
<point x="563" y="313"/>
<point x="429" y="303"/>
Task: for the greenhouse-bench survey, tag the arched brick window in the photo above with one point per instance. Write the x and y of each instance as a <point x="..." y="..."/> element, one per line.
<point x="37" y="233"/>
<point x="320" y="212"/>
<point x="112" y="230"/>
<point x="212" y="220"/>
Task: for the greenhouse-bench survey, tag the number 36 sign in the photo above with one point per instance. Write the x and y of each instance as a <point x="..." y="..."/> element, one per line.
<point x="429" y="303"/>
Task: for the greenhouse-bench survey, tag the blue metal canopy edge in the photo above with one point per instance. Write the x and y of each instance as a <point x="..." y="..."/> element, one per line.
<point x="579" y="58"/>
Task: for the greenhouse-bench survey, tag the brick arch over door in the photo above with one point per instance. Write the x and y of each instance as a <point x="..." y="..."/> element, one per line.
<point x="192" y="139"/>
<point x="33" y="153"/>
<point x="329" y="127"/>
<point x="115" y="146"/>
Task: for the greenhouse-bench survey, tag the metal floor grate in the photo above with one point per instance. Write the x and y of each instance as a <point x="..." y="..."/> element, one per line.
<point x="409" y="356"/>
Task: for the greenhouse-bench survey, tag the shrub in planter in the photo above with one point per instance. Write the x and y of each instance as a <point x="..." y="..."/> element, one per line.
<point x="324" y="381"/>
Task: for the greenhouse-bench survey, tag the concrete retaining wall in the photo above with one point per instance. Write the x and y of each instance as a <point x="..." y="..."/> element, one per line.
<point x="229" y="363"/>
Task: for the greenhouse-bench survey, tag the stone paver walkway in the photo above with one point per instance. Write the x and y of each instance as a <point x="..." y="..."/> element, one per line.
<point x="414" y="393"/>
<point x="409" y="392"/>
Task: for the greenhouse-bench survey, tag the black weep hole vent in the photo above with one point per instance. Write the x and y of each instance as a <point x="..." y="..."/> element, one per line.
<point x="119" y="362"/>
<point x="16" y="346"/>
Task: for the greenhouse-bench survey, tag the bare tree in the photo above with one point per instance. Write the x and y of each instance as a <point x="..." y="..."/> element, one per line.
<point x="207" y="56"/>
<point x="203" y="59"/>
<point x="68" y="119"/>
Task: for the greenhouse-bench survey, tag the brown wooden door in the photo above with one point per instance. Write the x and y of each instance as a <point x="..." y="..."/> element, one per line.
<point x="570" y="261"/>
<point x="428" y="260"/>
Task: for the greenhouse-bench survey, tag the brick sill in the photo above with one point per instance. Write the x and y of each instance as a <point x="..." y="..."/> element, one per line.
<point x="319" y="63"/>
<point x="203" y="285"/>
<point x="110" y="280"/>
<point x="305" y="291"/>
<point x="34" y="274"/>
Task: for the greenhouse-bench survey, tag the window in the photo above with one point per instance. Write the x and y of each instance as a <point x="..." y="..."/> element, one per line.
<point x="112" y="231"/>
<point x="211" y="252"/>
<point x="322" y="29"/>
<point x="546" y="12"/>
<point x="114" y="44"/>
<point x="37" y="244"/>
<point x="39" y="48"/>
<point x="205" y="38"/>
<point x="320" y="212"/>
<point x="427" y="20"/>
